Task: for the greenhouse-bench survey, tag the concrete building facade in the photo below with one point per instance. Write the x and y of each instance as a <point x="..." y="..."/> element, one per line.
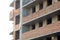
<point x="41" y="19"/>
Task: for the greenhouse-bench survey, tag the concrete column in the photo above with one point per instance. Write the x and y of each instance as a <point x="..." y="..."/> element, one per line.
<point x="37" y="25"/>
<point x="37" y="7"/>
<point x="54" y="19"/>
<point x="54" y="38"/>
<point x="44" y="3"/>
<point x="54" y="1"/>
<point x="44" y="22"/>
<point x="14" y="23"/>
<point x="14" y="35"/>
<point x="30" y="28"/>
<point x="14" y="4"/>
<point x="30" y="11"/>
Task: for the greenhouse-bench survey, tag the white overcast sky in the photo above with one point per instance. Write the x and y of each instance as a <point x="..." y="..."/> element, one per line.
<point x="5" y="24"/>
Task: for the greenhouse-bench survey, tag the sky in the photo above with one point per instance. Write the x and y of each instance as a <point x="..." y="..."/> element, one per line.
<point x="6" y="26"/>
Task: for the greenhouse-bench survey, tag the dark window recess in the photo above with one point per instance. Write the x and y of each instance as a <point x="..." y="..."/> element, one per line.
<point x="49" y="2"/>
<point x="33" y="26"/>
<point x="58" y="0"/>
<point x="33" y="9"/>
<point x="41" y="6"/>
<point x="17" y="4"/>
<point x="17" y="19"/>
<point x="49" y="20"/>
<point x="48" y="38"/>
<point x="58" y="17"/>
<point x="17" y="35"/>
<point x="58" y="37"/>
<point x="40" y="24"/>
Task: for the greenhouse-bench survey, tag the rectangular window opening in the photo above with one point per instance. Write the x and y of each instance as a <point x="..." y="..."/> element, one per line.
<point x="49" y="2"/>
<point x="49" y="21"/>
<point x="40" y="24"/>
<point x="17" y="35"/>
<point x="48" y="38"/>
<point x="33" y="9"/>
<point x="58" y="37"/>
<point x="17" y="19"/>
<point x="40" y="6"/>
<point x="58" y="17"/>
<point x="33" y="26"/>
<point x="17" y="4"/>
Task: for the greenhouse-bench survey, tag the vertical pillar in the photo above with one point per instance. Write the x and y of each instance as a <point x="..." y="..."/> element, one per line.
<point x="14" y="21"/>
<point x="30" y="10"/>
<point x="14" y="4"/>
<point x="44" y="3"/>
<point x="54" y="38"/>
<point x="21" y="21"/>
<point x="37" y="7"/>
<point x="54" y="1"/>
<point x="44" y="22"/>
<point x="30" y="28"/>
<point x="37" y="25"/>
<point x="54" y="19"/>
<point x="14" y="35"/>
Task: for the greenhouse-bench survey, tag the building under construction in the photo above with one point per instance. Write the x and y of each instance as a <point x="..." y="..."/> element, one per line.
<point x="41" y="19"/>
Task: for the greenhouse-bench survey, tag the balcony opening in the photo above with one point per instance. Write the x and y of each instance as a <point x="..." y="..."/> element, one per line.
<point x="25" y="29"/>
<point x="17" y="35"/>
<point x="58" y="37"/>
<point x="33" y="26"/>
<point x="33" y="9"/>
<point x="17" y="4"/>
<point x="40" y="24"/>
<point x="26" y="11"/>
<point x="41" y="6"/>
<point x="17" y="19"/>
<point x="49" y="2"/>
<point x="49" y="21"/>
<point x="48" y="38"/>
<point x="58" y="17"/>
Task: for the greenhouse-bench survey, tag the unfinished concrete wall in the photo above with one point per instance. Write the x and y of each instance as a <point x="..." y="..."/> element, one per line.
<point x="37" y="7"/>
<point x="36" y="25"/>
<point x="44" y="22"/>
<point x="54" y="1"/>
<point x="54" y="19"/>
<point x="44" y="3"/>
